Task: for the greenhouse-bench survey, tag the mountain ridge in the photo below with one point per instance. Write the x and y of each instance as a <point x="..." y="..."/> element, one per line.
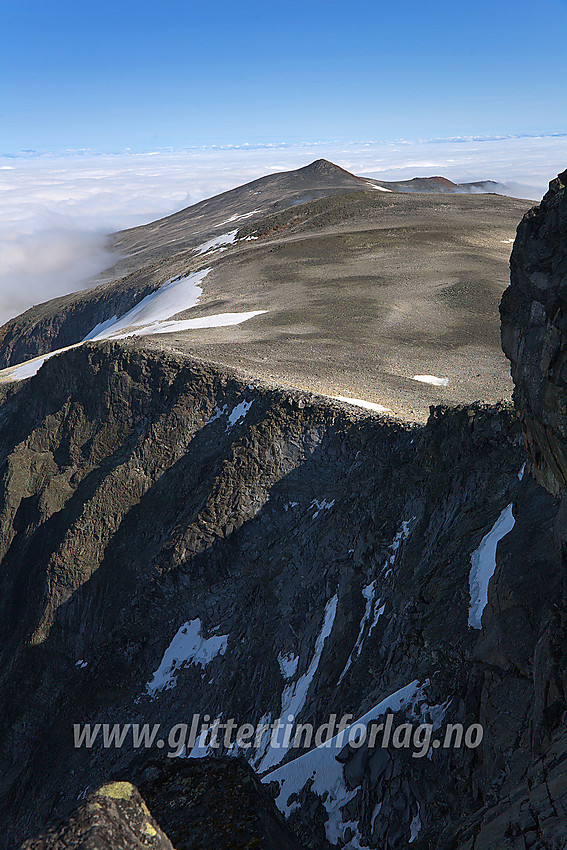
<point x="351" y="293"/>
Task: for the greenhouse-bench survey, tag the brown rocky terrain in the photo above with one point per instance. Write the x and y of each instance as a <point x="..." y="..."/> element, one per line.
<point x="361" y="289"/>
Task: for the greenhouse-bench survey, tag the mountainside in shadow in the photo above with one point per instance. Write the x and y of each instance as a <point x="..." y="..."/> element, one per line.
<point x="143" y="492"/>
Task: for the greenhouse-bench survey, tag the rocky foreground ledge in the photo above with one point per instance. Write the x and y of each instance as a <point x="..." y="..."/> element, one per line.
<point x="201" y="803"/>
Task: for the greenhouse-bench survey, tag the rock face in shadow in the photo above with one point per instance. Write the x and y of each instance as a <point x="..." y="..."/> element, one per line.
<point x="528" y="808"/>
<point x="143" y="493"/>
<point x="214" y="802"/>
<point x="534" y="333"/>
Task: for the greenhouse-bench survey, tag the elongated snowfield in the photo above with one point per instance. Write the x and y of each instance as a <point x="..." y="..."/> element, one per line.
<point x="431" y="379"/>
<point x="154" y="314"/>
<point x="295" y="694"/>
<point x="483" y="565"/>
<point x="360" y="402"/>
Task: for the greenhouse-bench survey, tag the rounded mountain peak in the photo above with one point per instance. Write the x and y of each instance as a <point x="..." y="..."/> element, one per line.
<point x="325" y="168"/>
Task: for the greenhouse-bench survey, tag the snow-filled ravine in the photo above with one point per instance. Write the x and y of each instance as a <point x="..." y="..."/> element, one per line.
<point x="295" y="693"/>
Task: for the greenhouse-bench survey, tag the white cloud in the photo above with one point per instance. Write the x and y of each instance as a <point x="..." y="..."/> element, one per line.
<point x="46" y="257"/>
<point x="55" y="210"/>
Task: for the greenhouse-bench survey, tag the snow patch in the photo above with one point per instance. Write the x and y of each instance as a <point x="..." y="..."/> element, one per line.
<point x="220" y="320"/>
<point x="101" y="329"/>
<point x="415" y="826"/>
<point x="359" y="402"/>
<point x="187" y="647"/>
<point x="401" y="536"/>
<point x="431" y="379"/>
<point x="237" y="217"/>
<point x="265" y="721"/>
<point x="201" y="749"/>
<point x="380" y="188"/>
<point x="31" y="367"/>
<point x="152" y="315"/>
<point x="236" y="414"/>
<point x="172" y="297"/>
<point x="221" y="242"/>
<point x="322" y="505"/>
<point x="372" y="608"/>
<point x="325" y="773"/>
<point x="483" y="564"/>
<point x="27" y="370"/>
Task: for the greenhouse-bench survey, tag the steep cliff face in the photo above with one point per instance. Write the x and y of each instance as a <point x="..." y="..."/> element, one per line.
<point x="529" y="807"/>
<point x="534" y="333"/>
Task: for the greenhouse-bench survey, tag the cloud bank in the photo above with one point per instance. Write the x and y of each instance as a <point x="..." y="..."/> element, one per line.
<point x="56" y="209"/>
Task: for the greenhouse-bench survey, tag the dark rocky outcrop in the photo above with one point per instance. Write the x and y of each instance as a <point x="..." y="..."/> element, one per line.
<point x="214" y="802"/>
<point x="202" y="804"/>
<point x="534" y="333"/>
<point x="113" y="818"/>
<point x="528" y="807"/>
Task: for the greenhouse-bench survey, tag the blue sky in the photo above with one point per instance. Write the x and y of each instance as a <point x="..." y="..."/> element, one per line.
<point x="142" y="75"/>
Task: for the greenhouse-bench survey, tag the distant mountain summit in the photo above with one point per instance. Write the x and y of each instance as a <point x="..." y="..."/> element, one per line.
<point x="325" y="168"/>
<point x="439" y="185"/>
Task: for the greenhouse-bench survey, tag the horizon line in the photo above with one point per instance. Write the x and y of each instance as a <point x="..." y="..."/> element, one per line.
<point x="33" y="153"/>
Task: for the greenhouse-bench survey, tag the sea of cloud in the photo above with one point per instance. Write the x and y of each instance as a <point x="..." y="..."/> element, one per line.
<point x="56" y="210"/>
